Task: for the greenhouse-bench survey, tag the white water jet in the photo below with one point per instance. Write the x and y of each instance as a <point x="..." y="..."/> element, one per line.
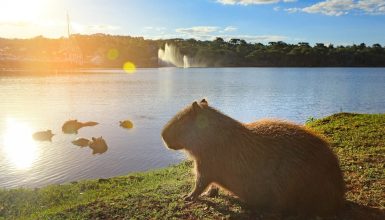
<point x="171" y="56"/>
<point x="186" y="62"/>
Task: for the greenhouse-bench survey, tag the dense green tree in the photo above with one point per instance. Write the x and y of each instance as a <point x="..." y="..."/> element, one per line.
<point x="101" y="50"/>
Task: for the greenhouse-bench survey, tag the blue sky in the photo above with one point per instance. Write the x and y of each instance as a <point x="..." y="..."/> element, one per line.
<point x="325" y="21"/>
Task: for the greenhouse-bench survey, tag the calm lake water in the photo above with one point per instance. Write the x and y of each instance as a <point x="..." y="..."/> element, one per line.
<point x="149" y="98"/>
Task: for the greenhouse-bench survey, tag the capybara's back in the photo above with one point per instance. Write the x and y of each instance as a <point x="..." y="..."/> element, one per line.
<point x="302" y="173"/>
<point x="272" y="165"/>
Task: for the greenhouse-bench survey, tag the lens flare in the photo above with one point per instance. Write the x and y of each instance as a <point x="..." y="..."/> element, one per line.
<point x="19" y="147"/>
<point x="112" y="54"/>
<point x="129" y="67"/>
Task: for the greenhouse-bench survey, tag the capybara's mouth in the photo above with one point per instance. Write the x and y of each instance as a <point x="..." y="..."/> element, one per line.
<point x="172" y="146"/>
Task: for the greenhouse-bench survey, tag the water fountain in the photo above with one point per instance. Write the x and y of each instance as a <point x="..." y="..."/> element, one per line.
<point x="171" y="56"/>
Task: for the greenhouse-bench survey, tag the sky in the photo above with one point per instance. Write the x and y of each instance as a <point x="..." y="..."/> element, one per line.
<point x="339" y="22"/>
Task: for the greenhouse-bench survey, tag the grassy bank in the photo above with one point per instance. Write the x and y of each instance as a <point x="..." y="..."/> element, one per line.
<point x="357" y="139"/>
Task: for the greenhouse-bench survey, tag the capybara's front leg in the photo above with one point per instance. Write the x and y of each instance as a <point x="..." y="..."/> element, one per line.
<point x="213" y="191"/>
<point x="201" y="183"/>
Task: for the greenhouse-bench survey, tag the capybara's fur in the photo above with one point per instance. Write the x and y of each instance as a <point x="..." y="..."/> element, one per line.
<point x="272" y="165"/>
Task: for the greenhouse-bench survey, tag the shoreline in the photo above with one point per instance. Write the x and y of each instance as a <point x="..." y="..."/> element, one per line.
<point x="32" y="71"/>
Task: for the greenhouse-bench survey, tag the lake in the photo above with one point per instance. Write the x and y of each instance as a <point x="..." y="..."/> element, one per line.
<point x="149" y="98"/>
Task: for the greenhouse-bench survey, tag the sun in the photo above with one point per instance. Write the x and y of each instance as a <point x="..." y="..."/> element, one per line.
<point x="18" y="145"/>
<point x="20" y="10"/>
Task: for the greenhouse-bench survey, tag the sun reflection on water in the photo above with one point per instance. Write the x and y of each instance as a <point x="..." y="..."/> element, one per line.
<point x="19" y="147"/>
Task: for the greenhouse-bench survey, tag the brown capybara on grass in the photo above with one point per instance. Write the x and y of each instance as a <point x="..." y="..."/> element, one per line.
<point x="273" y="166"/>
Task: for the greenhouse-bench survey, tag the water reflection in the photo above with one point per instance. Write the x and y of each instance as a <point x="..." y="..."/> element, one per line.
<point x="19" y="147"/>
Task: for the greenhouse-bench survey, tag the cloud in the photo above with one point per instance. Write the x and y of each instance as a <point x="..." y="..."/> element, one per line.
<point x="20" y="24"/>
<point x="101" y="27"/>
<point x="248" y="38"/>
<point x="342" y="7"/>
<point x="257" y="38"/>
<point x="331" y="7"/>
<point x="211" y="32"/>
<point x="93" y="28"/>
<point x="251" y="2"/>
<point x="372" y="6"/>
<point x="154" y="28"/>
<point x="246" y="2"/>
<point x="198" y="30"/>
<point x="230" y="29"/>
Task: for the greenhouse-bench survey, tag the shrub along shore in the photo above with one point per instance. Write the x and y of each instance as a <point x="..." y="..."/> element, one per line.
<point x="357" y="139"/>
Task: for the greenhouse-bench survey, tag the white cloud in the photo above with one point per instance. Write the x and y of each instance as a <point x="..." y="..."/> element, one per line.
<point x="15" y="23"/>
<point x="211" y="32"/>
<point x="293" y="10"/>
<point x="372" y="6"/>
<point x="257" y="38"/>
<point x="230" y="29"/>
<point x="342" y="7"/>
<point x="251" y="2"/>
<point x="198" y="30"/>
<point x="248" y="38"/>
<point x="331" y="7"/>
<point x="246" y="2"/>
<point x="102" y="27"/>
<point x="93" y="28"/>
<point x="154" y="28"/>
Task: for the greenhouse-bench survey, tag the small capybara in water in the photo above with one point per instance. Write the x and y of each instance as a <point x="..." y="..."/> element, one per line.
<point x="98" y="145"/>
<point x="273" y="166"/>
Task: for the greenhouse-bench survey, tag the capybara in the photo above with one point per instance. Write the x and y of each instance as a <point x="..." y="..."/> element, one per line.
<point x="43" y="135"/>
<point x="272" y="165"/>
<point x="98" y="145"/>
<point x="72" y="126"/>
<point x="81" y="142"/>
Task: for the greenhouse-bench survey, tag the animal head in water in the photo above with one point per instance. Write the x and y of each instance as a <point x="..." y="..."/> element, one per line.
<point x="43" y="135"/>
<point x="185" y="127"/>
<point x="82" y="142"/>
<point x="71" y="127"/>
<point x="126" y="124"/>
<point x="98" y="145"/>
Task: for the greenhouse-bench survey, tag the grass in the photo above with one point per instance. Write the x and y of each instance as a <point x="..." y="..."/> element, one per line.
<point x="357" y="139"/>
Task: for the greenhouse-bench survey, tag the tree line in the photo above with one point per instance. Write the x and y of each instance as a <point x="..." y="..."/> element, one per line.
<point x="108" y="51"/>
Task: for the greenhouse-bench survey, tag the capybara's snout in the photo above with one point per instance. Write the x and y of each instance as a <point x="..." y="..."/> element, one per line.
<point x="170" y="139"/>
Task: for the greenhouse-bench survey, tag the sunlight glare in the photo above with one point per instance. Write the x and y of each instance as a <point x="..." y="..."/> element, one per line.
<point x="20" y="149"/>
<point x="20" y="10"/>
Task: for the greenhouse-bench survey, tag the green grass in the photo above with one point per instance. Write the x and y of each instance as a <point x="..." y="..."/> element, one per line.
<point x="358" y="140"/>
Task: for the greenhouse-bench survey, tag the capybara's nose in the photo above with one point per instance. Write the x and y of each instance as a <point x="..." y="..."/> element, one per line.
<point x="163" y="134"/>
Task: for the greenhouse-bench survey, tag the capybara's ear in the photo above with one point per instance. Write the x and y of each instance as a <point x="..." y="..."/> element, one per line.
<point x="204" y="101"/>
<point x="195" y="106"/>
